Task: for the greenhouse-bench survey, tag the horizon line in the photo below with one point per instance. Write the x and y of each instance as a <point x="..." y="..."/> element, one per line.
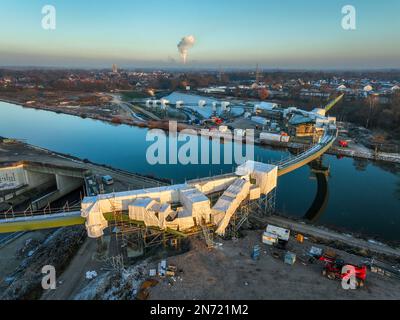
<point x="204" y="68"/>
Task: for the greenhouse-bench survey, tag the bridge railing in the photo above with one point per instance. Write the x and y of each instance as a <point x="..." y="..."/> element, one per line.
<point x="326" y="140"/>
<point x="48" y="210"/>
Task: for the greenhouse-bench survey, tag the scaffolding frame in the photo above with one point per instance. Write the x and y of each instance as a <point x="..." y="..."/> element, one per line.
<point x="129" y="233"/>
<point x="262" y="207"/>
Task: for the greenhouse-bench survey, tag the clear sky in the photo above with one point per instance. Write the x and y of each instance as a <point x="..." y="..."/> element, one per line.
<point x="229" y="33"/>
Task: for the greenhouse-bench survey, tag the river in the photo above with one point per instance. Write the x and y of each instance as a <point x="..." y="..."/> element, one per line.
<point x="364" y="197"/>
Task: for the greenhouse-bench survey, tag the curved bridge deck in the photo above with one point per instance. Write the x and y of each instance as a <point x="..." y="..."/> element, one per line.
<point x="309" y="155"/>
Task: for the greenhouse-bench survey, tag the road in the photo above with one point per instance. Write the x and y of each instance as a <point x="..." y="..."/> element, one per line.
<point x="333" y="236"/>
<point x="73" y="278"/>
<point x="125" y="106"/>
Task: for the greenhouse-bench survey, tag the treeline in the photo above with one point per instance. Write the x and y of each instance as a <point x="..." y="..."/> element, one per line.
<point x="372" y="114"/>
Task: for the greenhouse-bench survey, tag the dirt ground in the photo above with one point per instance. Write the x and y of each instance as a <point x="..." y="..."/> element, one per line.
<point x="73" y="279"/>
<point x="228" y="272"/>
<point x="9" y="261"/>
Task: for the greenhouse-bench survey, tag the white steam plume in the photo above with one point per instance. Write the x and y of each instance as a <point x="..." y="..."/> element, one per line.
<point x="184" y="45"/>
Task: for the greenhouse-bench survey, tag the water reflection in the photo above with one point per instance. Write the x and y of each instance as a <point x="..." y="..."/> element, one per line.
<point x="320" y="202"/>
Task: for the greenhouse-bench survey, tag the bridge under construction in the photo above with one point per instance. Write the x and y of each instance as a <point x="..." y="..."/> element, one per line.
<point x="214" y="205"/>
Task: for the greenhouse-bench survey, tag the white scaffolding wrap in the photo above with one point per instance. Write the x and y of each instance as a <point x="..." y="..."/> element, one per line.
<point x="228" y="203"/>
<point x="255" y="193"/>
<point x="195" y="202"/>
<point x="120" y="201"/>
<point x="151" y="212"/>
<point x="153" y="206"/>
<point x="184" y="220"/>
<point x="95" y="221"/>
<point x="266" y="175"/>
<point x="138" y="208"/>
<point x="165" y="211"/>
<point x="208" y="185"/>
<point x="151" y="216"/>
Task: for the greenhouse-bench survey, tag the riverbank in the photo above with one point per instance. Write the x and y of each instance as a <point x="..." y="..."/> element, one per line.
<point x="353" y="151"/>
<point x="350" y="152"/>
<point x="115" y="120"/>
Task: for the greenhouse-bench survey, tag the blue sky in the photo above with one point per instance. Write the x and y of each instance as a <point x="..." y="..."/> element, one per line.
<point x="229" y="33"/>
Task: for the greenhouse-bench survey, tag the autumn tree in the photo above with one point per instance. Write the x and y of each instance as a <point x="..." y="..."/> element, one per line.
<point x="263" y="94"/>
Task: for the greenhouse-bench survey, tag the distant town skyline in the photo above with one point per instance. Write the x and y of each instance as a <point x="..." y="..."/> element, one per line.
<point x="228" y="33"/>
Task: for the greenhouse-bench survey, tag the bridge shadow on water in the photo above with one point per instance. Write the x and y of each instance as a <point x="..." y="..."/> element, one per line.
<point x="320" y="202"/>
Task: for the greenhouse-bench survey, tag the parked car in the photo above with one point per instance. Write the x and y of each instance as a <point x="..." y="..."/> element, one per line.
<point x="107" y="180"/>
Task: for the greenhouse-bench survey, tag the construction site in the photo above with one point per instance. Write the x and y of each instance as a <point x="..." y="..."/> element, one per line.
<point x="143" y="238"/>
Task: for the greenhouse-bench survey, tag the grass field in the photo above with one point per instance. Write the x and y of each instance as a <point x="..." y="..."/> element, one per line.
<point x="126" y="96"/>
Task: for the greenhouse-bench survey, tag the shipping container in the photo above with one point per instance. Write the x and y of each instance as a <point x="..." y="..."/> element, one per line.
<point x="282" y="234"/>
<point x="267" y="136"/>
<point x="269" y="238"/>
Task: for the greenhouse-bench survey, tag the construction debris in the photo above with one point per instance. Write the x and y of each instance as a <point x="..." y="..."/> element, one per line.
<point x="143" y="293"/>
<point x="152" y="272"/>
<point x="315" y="252"/>
<point x="171" y="271"/>
<point x="162" y="268"/>
<point x="290" y="258"/>
<point x="56" y="250"/>
<point x="91" y="275"/>
<point x="300" y="238"/>
<point x="255" y="255"/>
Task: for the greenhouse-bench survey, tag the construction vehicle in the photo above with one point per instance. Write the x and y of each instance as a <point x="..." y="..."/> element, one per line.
<point x="333" y="269"/>
<point x="217" y="120"/>
<point x="214" y="120"/>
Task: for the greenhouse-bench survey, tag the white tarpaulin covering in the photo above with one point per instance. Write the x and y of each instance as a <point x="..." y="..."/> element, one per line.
<point x="122" y="200"/>
<point x="213" y="185"/>
<point x="266" y="175"/>
<point x="228" y="203"/>
<point x="139" y="207"/>
<point x="152" y="206"/>
<point x="195" y="202"/>
<point x="151" y="212"/>
<point x="184" y="220"/>
<point x="95" y="221"/>
<point x="151" y="216"/>
<point x="255" y="193"/>
<point x="165" y="210"/>
<point x="220" y="208"/>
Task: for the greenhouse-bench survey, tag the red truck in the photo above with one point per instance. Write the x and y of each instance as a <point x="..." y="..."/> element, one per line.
<point x="343" y="143"/>
<point x="333" y="270"/>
